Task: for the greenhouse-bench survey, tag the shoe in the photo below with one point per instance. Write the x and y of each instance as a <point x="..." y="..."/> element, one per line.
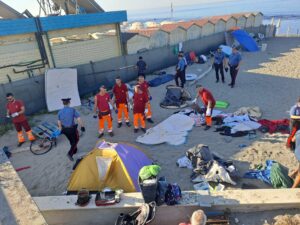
<point x="111" y="134"/>
<point x="119" y="125"/>
<point x="150" y="120"/>
<point x="70" y="157"/>
<point x="217" y="81"/>
<point x="230" y="84"/>
<point x="20" y="144"/>
<point x="101" y="135"/>
<point x="207" y="127"/>
<point x="143" y="129"/>
<point x="128" y="124"/>
<point x="135" y="130"/>
<point x="223" y="81"/>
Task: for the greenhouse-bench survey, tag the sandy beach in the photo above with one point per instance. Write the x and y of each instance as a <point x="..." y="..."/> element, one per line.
<point x="267" y="79"/>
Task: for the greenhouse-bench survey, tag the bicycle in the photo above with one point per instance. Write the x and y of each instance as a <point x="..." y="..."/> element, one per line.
<point x="46" y="135"/>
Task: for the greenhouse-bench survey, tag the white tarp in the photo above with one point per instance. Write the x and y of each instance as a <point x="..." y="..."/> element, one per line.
<point x="61" y="83"/>
<point x="173" y="131"/>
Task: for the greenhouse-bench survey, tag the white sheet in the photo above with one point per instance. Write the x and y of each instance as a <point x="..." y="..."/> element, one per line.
<point x="173" y="131"/>
<point x="61" y="83"/>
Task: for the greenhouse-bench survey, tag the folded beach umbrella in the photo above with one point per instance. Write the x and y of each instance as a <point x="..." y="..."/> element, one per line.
<point x="245" y="40"/>
<point x="113" y="165"/>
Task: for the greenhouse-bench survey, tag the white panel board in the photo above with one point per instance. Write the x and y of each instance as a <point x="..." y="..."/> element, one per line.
<point x="61" y="83"/>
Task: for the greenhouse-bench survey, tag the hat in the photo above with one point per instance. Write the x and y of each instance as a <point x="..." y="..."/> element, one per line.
<point x="66" y="99"/>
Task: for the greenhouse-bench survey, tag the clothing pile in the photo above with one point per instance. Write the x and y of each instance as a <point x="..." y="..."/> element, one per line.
<point x="273" y="126"/>
<point x="273" y="173"/>
<point x="176" y="97"/>
<point x="236" y="126"/>
<point x="207" y="167"/>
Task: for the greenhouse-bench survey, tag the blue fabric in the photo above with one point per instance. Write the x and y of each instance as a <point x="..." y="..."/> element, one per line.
<point x="245" y="40"/>
<point x="297" y="148"/>
<point x="234" y="59"/>
<point x="181" y="64"/>
<point x="160" y="80"/>
<point x="263" y="175"/>
<point x="67" y="115"/>
<point x="141" y="66"/>
<point x="219" y="57"/>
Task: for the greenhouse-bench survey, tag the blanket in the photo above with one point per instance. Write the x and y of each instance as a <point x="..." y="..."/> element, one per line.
<point x="273" y="126"/>
<point x="160" y="80"/>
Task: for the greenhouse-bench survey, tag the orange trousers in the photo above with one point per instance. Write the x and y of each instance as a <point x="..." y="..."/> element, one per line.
<point x="21" y="137"/>
<point x="123" y="110"/>
<point x="139" y="117"/>
<point x="208" y="120"/>
<point x="108" y="119"/>
<point x="149" y="113"/>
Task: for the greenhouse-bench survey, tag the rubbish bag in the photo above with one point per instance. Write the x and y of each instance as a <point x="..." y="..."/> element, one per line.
<point x="149" y="171"/>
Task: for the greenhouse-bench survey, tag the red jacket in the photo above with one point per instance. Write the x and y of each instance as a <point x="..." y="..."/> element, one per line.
<point x="206" y="96"/>
<point x="103" y="102"/>
<point x="14" y="107"/>
<point x="120" y="93"/>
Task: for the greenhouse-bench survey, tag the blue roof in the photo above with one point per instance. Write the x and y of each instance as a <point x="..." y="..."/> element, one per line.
<point x="23" y="26"/>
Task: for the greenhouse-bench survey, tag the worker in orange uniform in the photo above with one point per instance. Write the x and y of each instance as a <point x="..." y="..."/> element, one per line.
<point x="209" y="103"/>
<point x="140" y="100"/>
<point x="144" y="86"/>
<point x="102" y="105"/>
<point x="121" y="100"/>
<point x="16" y="110"/>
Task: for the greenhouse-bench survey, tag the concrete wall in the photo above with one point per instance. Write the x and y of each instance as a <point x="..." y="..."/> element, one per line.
<point x="92" y="75"/>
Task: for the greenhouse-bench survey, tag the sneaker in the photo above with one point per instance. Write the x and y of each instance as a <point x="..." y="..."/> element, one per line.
<point x="217" y="81"/>
<point x="101" y="135"/>
<point x="20" y="144"/>
<point x="135" y="130"/>
<point x="230" y="84"/>
<point x="128" y="124"/>
<point x="207" y="127"/>
<point x="223" y="81"/>
<point x="111" y="134"/>
<point x="119" y="125"/>
<point x="70" y="157"/>
<point x="143" y="129"/>
<point x="150" y="120"/>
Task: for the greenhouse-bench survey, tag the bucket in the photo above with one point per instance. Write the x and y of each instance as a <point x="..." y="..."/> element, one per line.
<point x="264" y="47"/>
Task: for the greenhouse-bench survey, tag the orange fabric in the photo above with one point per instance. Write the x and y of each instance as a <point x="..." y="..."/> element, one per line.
<point x="108" y="119"/>
<point x="123" y="110"/>
<point x="30" y="136"/>
<point x="149" y="113"/>
<point x="21" y="138"/>
<point x="208" y="120"/>
<point x="139" y="117"/>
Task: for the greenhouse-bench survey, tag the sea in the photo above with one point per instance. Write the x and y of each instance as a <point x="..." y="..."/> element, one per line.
<point x="287" y="11"/>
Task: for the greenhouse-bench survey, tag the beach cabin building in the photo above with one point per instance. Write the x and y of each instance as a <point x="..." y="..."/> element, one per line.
<point x="158" y="38"/>
<point x="259" y="16"/>
<point x="177" y="33"/>
<point x="208" y="27"/>
<point x="250" y="19"/>
<point x="139" y="41"/>
<point x="230" y="21"/>
<point x="220" y="24"/>
<point x="193" y="31"/>
<point x="241" y="20"/>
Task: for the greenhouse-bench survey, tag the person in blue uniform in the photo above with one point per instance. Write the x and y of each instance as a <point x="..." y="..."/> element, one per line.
<point x="180" y="71"/>
<point x="219" y="62"/>
<point x="234" y="63"/>
<point x="67" y="118"/>
<point x="141" y="66"/>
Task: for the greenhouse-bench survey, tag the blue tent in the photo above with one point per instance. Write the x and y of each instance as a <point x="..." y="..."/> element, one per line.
<point x="245" y="40"/>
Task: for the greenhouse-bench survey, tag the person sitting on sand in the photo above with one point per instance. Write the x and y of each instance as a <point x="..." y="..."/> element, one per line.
<point x="296" y="173"/>
<point x="198" y="218"/>
<point x="295" y="116"/>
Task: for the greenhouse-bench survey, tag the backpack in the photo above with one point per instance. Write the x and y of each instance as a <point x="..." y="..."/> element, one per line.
<point x="173" y="194"/>
<point x="162" y="188"/>
<point x="144" y="215"/>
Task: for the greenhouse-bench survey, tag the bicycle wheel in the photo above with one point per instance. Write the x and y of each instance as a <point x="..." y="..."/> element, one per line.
<point x="41" y="146"/>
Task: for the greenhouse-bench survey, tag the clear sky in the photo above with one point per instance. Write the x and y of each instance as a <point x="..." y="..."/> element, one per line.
<point x="111" y="5"/>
